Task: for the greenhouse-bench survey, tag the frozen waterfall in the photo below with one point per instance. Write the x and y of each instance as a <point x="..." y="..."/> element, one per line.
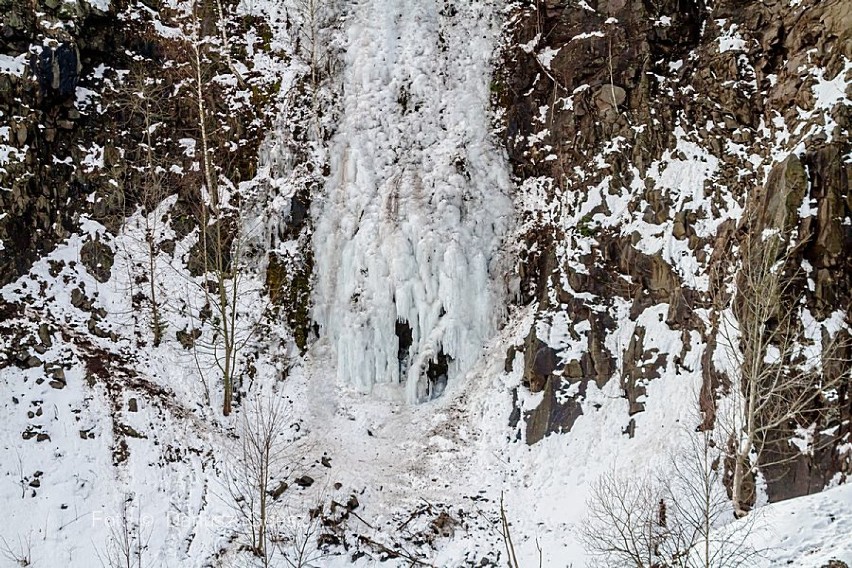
<point x="408" y="232"/>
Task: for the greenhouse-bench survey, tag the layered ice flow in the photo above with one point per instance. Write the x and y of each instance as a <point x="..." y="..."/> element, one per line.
<point x="408" y="233"/>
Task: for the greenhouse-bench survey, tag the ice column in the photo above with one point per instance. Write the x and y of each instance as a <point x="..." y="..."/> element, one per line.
<point x="408" y="232"/>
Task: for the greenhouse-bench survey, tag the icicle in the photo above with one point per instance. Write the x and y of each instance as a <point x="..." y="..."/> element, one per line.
<point x="411" y="224"/>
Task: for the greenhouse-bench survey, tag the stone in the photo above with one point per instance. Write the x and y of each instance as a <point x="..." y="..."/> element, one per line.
<point x="539" y="362"/>
<point x="128" y="430"/>
<point x="783" y="193"/>
<point x="44" y="335"/>
<point x="98" y="259"/>
<point x="71" y="10"/>
<point x="278" y="491"/>
<point x="112" y="155"/>
<point x="610" y="96"/>
<point x="553" y="415"/>
<point x="78" y="299"/>
<point x="305" y="481"/>
<point x="57" y="69"/>
<point x="352" y="503"/>
<point x="508" y="363"/>
<point x="611" y="7"/>
<point x="573" y="369"/>
<point x="187" y="338"/>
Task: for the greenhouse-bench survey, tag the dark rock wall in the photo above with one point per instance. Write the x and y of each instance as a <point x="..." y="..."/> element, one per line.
<point x="75" y="140"/>
<point x="606" y="94"/>
<point x="45" y="184"/>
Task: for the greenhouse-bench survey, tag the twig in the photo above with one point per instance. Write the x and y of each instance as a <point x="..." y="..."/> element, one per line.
<point x="507" y="536"/>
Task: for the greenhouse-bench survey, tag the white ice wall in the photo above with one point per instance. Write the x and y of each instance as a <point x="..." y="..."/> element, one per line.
<point x="417" y="203"/>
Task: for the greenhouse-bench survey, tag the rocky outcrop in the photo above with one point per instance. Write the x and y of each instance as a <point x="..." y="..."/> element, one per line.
<point x="661" y="134"/>
<point x="52" y="129"/>
<point x="56" y="69"/>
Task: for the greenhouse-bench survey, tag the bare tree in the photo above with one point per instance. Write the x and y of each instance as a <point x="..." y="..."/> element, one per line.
<point x="140" y="100"/>
<point x="225" y="39"/>
<point x="314" y="49"/>
<point x="257" y="473"/>
<point x="223" y="229"/>
<point x="296" y="536"/>
<point x="782" y="379"/>
<point x="127" y="540"/>
<point x="698" y="511"/>
<point x="505" y="531"/>
<point x="626" y="524"/>
<point x="19" y="553"/>
<point x="680" y="519"/>
<point x="154" y="192"/>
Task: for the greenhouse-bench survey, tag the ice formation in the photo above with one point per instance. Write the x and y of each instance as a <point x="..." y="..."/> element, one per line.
<point x="408" y="232"/>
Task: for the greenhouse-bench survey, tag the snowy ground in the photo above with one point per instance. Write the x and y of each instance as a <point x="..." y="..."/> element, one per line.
<point x="456" y="450"/>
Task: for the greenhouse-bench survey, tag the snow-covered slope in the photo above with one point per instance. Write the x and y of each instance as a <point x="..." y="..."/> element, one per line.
<point x="808" y="532"/>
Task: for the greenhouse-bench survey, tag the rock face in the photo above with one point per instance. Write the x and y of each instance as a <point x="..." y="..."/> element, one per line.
<point x="57" y="71"/>
<point x="657" y="136"/>
<point x="71" y="126"/>
<point x="47" y="129"/>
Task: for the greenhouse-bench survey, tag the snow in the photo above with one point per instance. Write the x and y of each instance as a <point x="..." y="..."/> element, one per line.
<point x="9" y="154"/>
<point x="730" y="39"/>
<point x="188" y="145"/>
<point x="410" y="226"/>
<point x="84" y="97"/>
<point x="13" y="65"/>
<point x="530" y="46"/>
<point x="93" y="158"/>
<point x="829" y="92"/>
<point x="587" y="35"/>
<point x="547" y="55"/>
<point x="102" y="5"/>
<point x="806" y="532"/>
